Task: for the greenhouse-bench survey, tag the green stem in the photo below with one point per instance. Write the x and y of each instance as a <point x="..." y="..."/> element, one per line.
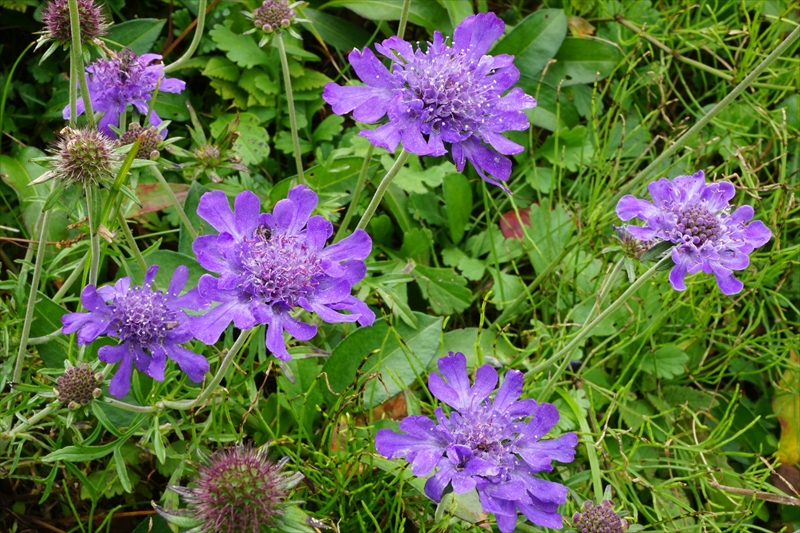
<point x="287" y="81"/>
<point x="37" y="274"/>
<point x="198" y="34"/>
<point x="22" y="280"/>
<point x="123" y="224"/>
<point x="362" y="179"/>
<point x="565" y="353"/>
<point x="175" y="203"/>
<point x="713" y="112"/>
<point x="94" y="237"/>
<point x="22" y="426"/>
<point x="401" y="27"/>
<point x="73" y="90"/>
<point x="384" y="184"/>
<point x="77" y="59"/>
<point x="129" y="407"/>
<point x="76" y="272"/>
<point x="221" y="371"/>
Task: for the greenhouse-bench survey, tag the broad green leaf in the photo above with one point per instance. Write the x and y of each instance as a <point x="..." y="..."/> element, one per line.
<point x="457" y="10"/>
<point x="338" y="175"/>
<point x="422" y="12"/>
<point x="581" y="61"/>
<point x="505" y="287"/>
<point x="242" y="50"/>
<point x="222" y="68"/>
<point x="284" y="143"/>
<point x="337" y="32"/>
<point x="553" y="111"/>
<point x="416" y="242"/>
<point x="311" y="79"/>
<point x="534" y="41"/>
<point x="46" y="316"/>
<point x="167" y="262"/>
<point x="139" y="35"/>
<point x="252" y="143"/>
<point x="171" y="106"/>
<point x="666" y="362"/>
<point x="458" y="202"/>
<point x="445" y="290"/>
<point x="17" y="172"/>
<point x="348" y="355"/>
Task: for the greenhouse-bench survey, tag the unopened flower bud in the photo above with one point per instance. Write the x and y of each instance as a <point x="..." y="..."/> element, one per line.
<point x="151" y="139"/>
<point x="78" y="385"/>
<point x="273" y="15"/>
<point x="599" y="519"/>
<point x="57" y="26"/>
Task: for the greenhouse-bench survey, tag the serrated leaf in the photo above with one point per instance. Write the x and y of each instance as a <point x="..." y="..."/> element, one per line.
<point x="241" y="49"/>
<point x="445" y="290"/>
<point x="325" y="131"/>
<point x="221" y="68"/>
<point x="666" y="362"/>
<point x="416" y="241"/>
<point x="230" y="91"/>
<point x="311" y="79"/>
<point x="249" y="82"/>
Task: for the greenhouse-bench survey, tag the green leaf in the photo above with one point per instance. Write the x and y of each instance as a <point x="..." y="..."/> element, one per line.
<point x="171" y="106"/>
<point x="325" y="131"/>
<point x="284" y="143"/>
<point x="17" y="172"/>
<point x="139" y="35"/>
<point x="655" y="252"/>
<point x="534" y="41"/>
<point x="222" y="68"/>
<point x="553" y="111"/>
<point x="252" y="143"/>
<point x="336" y="31"/>
<point x="122" y="471"/>
<point x="80" y="453"/>
<point x="581" y="61"/>
<point x="550" y="231"/>
<point x="46" y="316"/>
<point x="167" y="262"/>
<point x="241" y="49"/>
<point x="311" y="79"/>
<point x="341" y="366"/>
<point x="422" y="13"/>
<point x="505" y="287"/>
<point x="416" y="242"/>
<point x="457" y="11"/>
<point x="445" y="290"/>
<point x="190" y="208"/>
<point x="570" y="148"/>
<point x="666" y="362"/>
<point x="458" y="202"/>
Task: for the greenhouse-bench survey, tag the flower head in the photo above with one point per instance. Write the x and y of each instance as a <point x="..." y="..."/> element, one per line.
<point x="599" y="518"/>
<point x="272" y="263"/>
<point x="150" y="324"/>
<point x="57" y="27"/>
<point x="151" y="139"/>
<point x="239" y="490"/>
<point x="696" y="216"/>
<point x="81" y="156"/>
<point x="451" y="93"/>
<point x="78" y="386"/>
<point x="126" y="79"/>
<point x="631" y="246"/>
<point x="485" y="445"/>
<point x="273" y="16"/>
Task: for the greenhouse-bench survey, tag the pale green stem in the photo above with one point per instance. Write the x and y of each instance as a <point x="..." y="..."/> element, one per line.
<point x="37" y="274"/>
<point x="76" y="272"/>
<point x="384" y="184"/>
<point x="22" y="426"/>
<point x="563" y="355"/>
<point x="123" y="224"/>
<point x="73" y="89"/>
<point x="23" y="273"/>
<point x="705" y="119"/>
<point x="94" y="237"/>
<point x="75" y="27"/>
<point x="33" y="341"/>
<point x="287" y="81"/>
<point x="226" y="363"/>
<point x="401" y="27"/>
<point x="175" y="203"/>
<point x="129" y="407"/>
<point x="362" y="179"/>
<point x="198" y="34"/>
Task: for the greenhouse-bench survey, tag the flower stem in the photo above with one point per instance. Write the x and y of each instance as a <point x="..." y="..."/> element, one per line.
<point x="37" y="274"/>
<point x="22" y="426"/>
<point x="564" y="354"/>
<point x="70" y="280"/>
<point x="221" y="371"/>
<point x="384" y="184"/>
<point x="287" y="81"/>
<point x="362" y="179"/>
<point x="175" y="203"/>
<point x="198" y="34"/>
<point x="705" y="119"/>
<point x="123" y="224"/>
<point x="401" y="27"/>
<point x="77" y="62"/>
<point x="94" y="237"/>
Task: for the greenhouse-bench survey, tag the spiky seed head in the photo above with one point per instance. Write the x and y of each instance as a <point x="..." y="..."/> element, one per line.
<point x="81" y="156"/>
<point x="599" y="519"/>
<point x="239" y="490"/>
<point x="151" y="139"/>
<point x="208" y="155"/>
<point x="78" y="386"/>
<point x="273" y="15"/>
<point x="57" y="24"/>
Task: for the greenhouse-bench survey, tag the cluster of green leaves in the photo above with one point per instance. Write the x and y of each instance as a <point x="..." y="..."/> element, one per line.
<point x="672" y="395"/>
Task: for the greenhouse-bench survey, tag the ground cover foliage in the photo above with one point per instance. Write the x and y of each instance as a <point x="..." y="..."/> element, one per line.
<point x="685" y="403"/>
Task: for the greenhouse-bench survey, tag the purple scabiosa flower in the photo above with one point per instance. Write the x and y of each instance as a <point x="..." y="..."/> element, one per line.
<point x="696" y="216"/>
<point x="272" y="263"/>
<point x="485" y="445"/>
<point x="447" y="94"/>
<point x="150" y="324"/>
<point x="126" y="79"/>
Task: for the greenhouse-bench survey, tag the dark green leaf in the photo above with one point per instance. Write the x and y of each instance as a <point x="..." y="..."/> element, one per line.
<point x="445" y="290"/>
<point x="428" y="14"/>
<point x="458" y="202"/>
<point x="350" y="353"/>
<point x="534" y="41"/>
<point x="666" y="362"/>
<point x="656" y="251"/>
<point x="139" y="35"/>
<point x="582" y="61"/>
<point x="337" y="32"/>
<point x="242" y="50"/>
<point x="222" y="68"/>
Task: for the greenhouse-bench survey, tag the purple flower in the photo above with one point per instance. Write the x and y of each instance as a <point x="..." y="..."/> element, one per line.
<point x="128" y="79"/>
<point x="272" y="263"/>
<point x="697" y="217"/>
<point x="485" y="445"/>
<point x="451" y="94"/>
<point x="150" y="324"/>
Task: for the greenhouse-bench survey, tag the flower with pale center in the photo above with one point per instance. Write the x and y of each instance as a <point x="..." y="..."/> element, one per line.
<point x="485" y="445"/>
<point x="451" y="93"/>
<point x="696" y="216"/>
<point x="270" y="264"/>
<point x="150" y="324"/>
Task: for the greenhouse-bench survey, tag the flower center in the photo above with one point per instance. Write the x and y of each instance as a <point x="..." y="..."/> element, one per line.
<point x="696" y="225"/>
<point x="279" y="268"/>
<point x="143" y="315"/>
<point x="488" y="435"/>
<point x="444" y="93"/>
<point x="272" y="15"/>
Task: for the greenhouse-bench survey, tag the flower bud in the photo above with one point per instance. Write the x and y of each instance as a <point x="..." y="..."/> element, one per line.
<point x="78" y="385"/>
<point x="151" y="139"/>
<point x="599" y="519"/>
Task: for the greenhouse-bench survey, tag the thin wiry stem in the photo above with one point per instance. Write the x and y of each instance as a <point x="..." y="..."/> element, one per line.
<point x="77" y="61"/>
<point x="76" y="272"/>
<point x="362" y="179"/>
<point x="123" y="224"/>
<point x="384" y="184"/>
<point x="287" y="82"/>
<point x="198" y="34"/>
<point x="175" y="203"/>
<point x="94" y="237"/>
<point x="401" y="27"/>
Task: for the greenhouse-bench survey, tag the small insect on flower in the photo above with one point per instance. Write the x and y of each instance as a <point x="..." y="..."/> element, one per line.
<point x="696" y="216"/>
<point x="150" y="324"/>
